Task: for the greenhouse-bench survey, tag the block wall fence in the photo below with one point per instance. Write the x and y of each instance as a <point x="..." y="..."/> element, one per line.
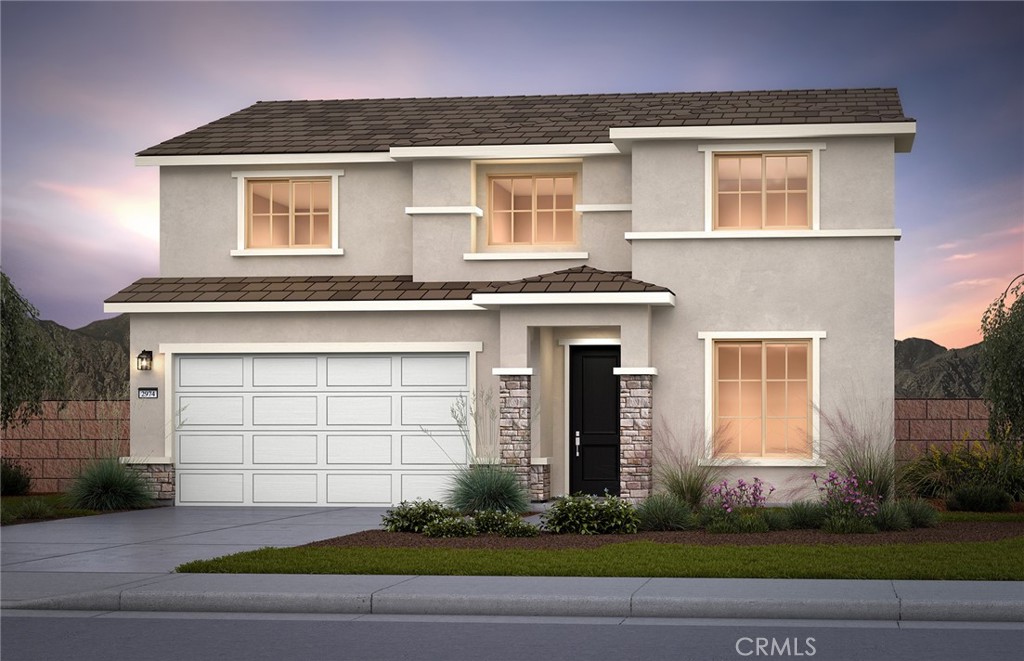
<point x="57" y="444"/>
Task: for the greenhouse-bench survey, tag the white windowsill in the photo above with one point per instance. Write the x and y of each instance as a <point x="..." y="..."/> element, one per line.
<point x="501" y="256"/>
<point x="763" y="461"/>
<point x="434" y="211"/>
<point x="765" y="234"/>
<point x="286" y="252"/>
<point x="597" y="208"/>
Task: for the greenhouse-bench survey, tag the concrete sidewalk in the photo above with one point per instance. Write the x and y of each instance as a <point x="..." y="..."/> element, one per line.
<point x="125" y="562"/>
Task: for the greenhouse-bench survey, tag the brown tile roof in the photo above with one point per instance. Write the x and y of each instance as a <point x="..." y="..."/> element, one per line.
<point x="375" y="125"/>
<point x="368" y="288"/>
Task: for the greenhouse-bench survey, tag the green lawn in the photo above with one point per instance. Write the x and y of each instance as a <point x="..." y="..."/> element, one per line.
<point x="990" y="561"/>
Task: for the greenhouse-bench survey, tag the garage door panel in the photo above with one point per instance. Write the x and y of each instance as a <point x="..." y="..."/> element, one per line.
<point x="219" y="411"/>
<point x="211" y="488"/>
<point x="282" y="410"/>
<point x="284" y="449"/>
<point x="211" y="372"/>
<point x="356" y="488"/>
<point x="425" y="485"/>
<point x="210" y="449"/>
<point x="284" y="488"/>
<point x="355" y="410"/>
<point x="425" y="410"/>
<point x="433" y="449"/>
<point x="359" y="449"/>
<point x="374" y="371"/>
<point x="435" y="370"/>
<point x="284" y="372"/>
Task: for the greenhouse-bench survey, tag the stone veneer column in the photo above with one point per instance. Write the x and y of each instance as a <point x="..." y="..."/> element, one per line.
<point x="514" y="425"/>
<point x="540" y="483"/>
<point x="635" y="439"/>
<point x="160" y="478"/>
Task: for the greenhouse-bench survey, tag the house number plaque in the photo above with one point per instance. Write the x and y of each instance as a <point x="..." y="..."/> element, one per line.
<point x="149" y="393"/>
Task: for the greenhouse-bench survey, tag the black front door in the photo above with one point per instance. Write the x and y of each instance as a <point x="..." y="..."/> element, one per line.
<point x="593" y="419"/>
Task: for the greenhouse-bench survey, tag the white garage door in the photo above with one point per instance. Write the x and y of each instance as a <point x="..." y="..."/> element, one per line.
<point x="367" y="429"/>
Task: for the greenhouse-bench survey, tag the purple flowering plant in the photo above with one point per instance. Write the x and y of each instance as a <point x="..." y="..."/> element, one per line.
<point x="844" y="495"/>
<point x="744" y="495"/>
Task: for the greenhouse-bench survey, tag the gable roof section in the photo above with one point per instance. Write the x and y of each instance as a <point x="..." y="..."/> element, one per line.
<point x="381" y="292"/>
<point x="377" y="125"/>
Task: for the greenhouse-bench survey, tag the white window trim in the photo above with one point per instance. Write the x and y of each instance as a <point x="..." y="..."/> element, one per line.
<point x="815" y="149"/>
<point x="709" y="338"/>
<point x="504" y="256"/>
<point x="242" y="176"/>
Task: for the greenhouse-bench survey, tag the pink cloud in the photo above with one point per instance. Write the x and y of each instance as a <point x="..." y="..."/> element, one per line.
<point x="961" y="256"/>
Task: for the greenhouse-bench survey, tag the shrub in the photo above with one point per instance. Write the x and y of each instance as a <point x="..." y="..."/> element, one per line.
<point x="414" y="516"/>
<point x="777" y="518"/>
<point x="891" y="516"/>
<point x="35" y="509"/>
<point x="453" y="526"/>
<point x="107" y="484"/>
<point x="682" y="469"/>
<point x="480" y="487"/>
<point x="979" y="498"/>
<point x="919" y="512"/>
<point x="846" y="525"/>
<point x="806" y="514"/>
<point x="586" y="515"/>
<point x="505" y="524"/>
<point x="859" y="440"/>
<point x="938" y="472"/>
<point x="740" y="497"/>
<point x="665" y="511"/>
<point x="747" y="521"/>
<point x="15" y="479"/>
<point x="845" y="496"/>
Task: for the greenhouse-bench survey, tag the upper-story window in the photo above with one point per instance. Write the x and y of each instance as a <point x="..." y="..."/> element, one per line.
<point x="770" y="190"/>
<point x="531" y="210"/>
<point x="288" y="213"/>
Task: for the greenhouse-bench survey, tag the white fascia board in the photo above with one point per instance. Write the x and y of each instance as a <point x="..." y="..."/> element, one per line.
<point x="320" y="347"/>
<point x="265" y="159"/>
<point x="580" y="298"/>
<point x="765" y="234"/>
<point x="597" y="208"/>
<point x="479" y="152"/>
<point x="904" y="132"/>
<point x="291" y="306"/>
<point x="512" y="371"/>
<point x="436" y="211"/>
<point x="503" y="256"/>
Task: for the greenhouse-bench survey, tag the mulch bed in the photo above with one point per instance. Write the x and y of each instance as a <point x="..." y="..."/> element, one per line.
<point x="951" y="531"/>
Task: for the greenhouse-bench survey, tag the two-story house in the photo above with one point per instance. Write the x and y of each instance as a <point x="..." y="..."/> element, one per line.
<point x="593" y="274"/>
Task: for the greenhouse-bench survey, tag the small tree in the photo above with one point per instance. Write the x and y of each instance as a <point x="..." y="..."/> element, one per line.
<point x="1002" y="362"/>
<point x="32" y="367"/>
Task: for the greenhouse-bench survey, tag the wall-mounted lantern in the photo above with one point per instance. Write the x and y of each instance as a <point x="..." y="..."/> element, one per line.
<point x="145" y="360"/>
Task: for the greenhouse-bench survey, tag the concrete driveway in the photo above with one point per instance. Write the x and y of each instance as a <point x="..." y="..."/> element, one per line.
<point x="158" y="540"/>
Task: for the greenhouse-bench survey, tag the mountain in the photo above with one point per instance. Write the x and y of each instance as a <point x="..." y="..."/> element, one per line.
<point x="926" y="369"/>
<point x="96" y="355"/>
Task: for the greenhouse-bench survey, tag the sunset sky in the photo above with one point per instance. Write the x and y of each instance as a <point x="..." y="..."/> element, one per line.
<point x="86" y="85"/>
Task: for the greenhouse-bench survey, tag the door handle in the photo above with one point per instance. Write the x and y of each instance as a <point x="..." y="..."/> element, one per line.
<point x="577" y="444"/>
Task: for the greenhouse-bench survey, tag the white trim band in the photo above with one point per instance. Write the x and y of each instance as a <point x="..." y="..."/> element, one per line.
<point x="635" y="371"/>
<point x="292" y="306"/>
<point x="903" y="132"/>
<point x="320" y="347"/>
<point x="264" y="159"/>
<point x="287" y="252"/>
<point x="599" y="208"/>
<point x="508" y="256"/>
<point x="580" y="298"/>
<point x="765" y="234"/>
<point x="590" y="342"/>
<point x="437" y="211"/>
<point x="479" y="152"/>
<point x="512" y="371"/>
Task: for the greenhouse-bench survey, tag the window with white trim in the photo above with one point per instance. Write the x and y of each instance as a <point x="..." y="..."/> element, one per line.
<point x="531" y="210"/>
<point x="288" y="213"/>
<point x="763" y="398"/>
<point x="770" y="190"/>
